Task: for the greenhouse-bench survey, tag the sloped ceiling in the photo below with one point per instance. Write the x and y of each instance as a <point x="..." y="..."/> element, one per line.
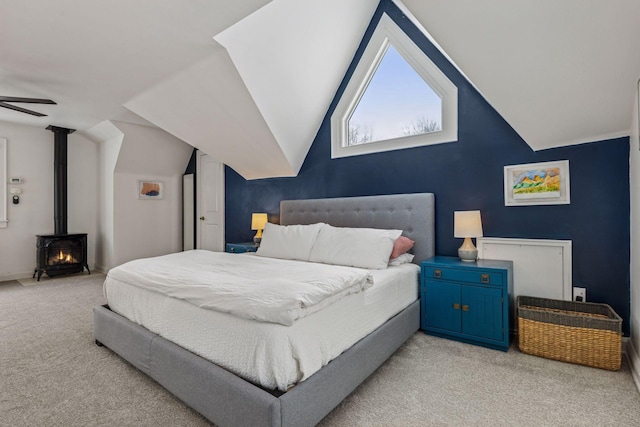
<point x="560" y="72"/>
<point x="257" y="101"/>
<point x="93" y="56"/>
<point x="292" y="55"/>
<point x="211" y="109"/>
<point x="249" y="82"/>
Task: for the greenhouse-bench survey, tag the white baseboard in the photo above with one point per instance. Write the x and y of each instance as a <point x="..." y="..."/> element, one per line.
<point x="17" y="276"/>
<point x="100" y="269"/>
<point x="634" y="361"/>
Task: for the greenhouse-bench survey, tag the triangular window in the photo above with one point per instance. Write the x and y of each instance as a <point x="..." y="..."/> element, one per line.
<point x="396" y="103"/>
<point x="396" y="98"/>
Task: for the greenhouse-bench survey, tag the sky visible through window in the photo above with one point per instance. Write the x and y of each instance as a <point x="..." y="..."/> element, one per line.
<point x="396" y="103"/>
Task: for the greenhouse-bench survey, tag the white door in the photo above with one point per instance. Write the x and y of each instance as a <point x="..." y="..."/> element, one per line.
<point x="188" y="212"/>
<point x="209" y="203"/>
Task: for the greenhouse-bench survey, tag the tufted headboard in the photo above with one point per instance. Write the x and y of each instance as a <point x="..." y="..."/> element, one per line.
<point x="412" y="213"/>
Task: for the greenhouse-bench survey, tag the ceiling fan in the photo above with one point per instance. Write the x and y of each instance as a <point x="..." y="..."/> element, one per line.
<point x="5" y="99"/>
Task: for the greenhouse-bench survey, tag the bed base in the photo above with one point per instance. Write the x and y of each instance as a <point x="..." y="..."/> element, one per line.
<point x="228" y="400"/>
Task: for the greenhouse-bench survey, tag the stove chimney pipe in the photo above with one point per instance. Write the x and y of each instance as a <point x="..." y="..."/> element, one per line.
<point x="60" y="178"/>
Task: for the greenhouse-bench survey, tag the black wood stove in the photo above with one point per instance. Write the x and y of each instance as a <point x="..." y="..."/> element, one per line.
<point x="61" y="252"/>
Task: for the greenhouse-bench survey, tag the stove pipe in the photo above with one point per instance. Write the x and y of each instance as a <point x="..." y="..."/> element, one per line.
<point x="60" y="178"/>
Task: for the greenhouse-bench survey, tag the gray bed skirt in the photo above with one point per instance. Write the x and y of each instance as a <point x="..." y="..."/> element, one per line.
<point x="228" y="400"/>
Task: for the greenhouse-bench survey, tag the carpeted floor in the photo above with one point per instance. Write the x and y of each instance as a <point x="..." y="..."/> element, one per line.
<point x="52" y="374"/>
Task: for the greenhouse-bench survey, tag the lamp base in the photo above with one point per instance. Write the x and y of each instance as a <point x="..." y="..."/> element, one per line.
<point x="468" y="252"/>
<point x="258" y="237"/>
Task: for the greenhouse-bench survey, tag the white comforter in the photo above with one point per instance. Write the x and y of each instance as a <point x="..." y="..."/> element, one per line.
<point x="251" y="287"/>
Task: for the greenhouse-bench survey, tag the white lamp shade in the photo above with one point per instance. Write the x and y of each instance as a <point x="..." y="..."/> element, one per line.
<point x="467" y="224"/>
<point x="258" y="220"/>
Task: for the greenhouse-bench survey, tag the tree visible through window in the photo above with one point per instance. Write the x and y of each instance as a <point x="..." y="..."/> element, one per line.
<point x="396" y="103"/>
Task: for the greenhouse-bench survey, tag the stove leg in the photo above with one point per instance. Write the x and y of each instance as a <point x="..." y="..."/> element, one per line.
<point x="39" y="274"/>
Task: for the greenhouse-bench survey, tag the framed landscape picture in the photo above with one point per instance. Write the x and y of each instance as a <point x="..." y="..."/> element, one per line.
<point x="537" y="184"/>
<point x="150" y="190"/>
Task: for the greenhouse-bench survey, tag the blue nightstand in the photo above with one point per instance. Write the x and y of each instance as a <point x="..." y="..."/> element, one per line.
<point x="467" y="301"/>
<point x="238" y="248"/>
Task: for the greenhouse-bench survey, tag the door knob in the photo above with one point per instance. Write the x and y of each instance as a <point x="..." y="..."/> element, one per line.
<point x="201" y="218"/>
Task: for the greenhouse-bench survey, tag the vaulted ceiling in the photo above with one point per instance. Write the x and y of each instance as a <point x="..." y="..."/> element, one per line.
<point x="250" y="81"/>
<point x="560" y="72"/>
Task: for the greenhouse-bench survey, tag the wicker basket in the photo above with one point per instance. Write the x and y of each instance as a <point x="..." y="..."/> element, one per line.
<point x="577" y="332"/>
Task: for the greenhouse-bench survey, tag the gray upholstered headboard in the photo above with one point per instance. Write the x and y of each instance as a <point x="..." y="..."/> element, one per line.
<point x="412" y="213"/>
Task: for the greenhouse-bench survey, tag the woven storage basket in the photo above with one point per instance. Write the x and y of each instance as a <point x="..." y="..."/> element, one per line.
<point x="577" y="332"/>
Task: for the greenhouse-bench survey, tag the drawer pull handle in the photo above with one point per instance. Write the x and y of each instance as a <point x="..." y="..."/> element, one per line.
<point x="456" y="306"/>
<point x="437" y="274"/>
<point x="465" y="307"/>
<point x="484" y="278"/>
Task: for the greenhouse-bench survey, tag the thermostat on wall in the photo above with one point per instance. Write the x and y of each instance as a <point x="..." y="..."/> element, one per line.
<point x="15" y="181"/>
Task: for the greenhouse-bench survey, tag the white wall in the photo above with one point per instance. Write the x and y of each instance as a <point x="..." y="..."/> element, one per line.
<point x="30" y="156"/>
<point x="634" y="159"/>
<point x="109" y="149"/>
<point x="144" y="228"/>
<point x="82" y="188"/>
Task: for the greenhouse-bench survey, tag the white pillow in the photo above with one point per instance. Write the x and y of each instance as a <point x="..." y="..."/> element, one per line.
<point x="404" y="258"/>
<point x="288" y="241"/>
<point x="354" y="247"/>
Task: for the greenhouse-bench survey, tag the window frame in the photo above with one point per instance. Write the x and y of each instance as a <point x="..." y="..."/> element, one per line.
<point x="388" y="33"/>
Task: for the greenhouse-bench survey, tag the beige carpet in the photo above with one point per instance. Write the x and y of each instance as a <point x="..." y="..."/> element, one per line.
<point x="30" y="281"/>
<point x="52" y="374"/>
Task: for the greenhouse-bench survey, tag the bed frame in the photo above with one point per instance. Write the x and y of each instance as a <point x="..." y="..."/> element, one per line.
<point x="228" y="400"/>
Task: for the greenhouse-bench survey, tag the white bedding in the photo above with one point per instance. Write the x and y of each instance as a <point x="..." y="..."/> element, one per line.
<point x="269" y="354"/>
<point x="266" y="289"/>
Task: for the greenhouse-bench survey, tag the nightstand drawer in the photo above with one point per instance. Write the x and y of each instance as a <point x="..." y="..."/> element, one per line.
<point x="239" y="248"/>
<point x="469" y="276"/>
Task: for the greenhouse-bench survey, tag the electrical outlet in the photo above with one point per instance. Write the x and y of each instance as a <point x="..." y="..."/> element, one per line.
<point x="579" y="294"/>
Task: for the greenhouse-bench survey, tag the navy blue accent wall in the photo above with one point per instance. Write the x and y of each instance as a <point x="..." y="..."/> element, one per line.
<point x="191" y="166"/>
<point x="467" y="175"/>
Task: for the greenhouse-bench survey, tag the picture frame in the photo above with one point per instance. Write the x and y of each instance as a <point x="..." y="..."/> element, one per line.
<point x="545" y="183"/>
<point x="150" y="190"/>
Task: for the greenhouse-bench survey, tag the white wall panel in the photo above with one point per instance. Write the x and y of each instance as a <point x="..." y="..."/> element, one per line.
<point x="541" y="268"/>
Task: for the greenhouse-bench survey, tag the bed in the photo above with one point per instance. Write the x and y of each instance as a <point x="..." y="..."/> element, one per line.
<point x="226" y="398"/>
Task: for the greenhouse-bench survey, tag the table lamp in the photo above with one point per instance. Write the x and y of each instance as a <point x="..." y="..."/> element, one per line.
<point x="258" y="221"/>
<point x="467" y="224"/>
